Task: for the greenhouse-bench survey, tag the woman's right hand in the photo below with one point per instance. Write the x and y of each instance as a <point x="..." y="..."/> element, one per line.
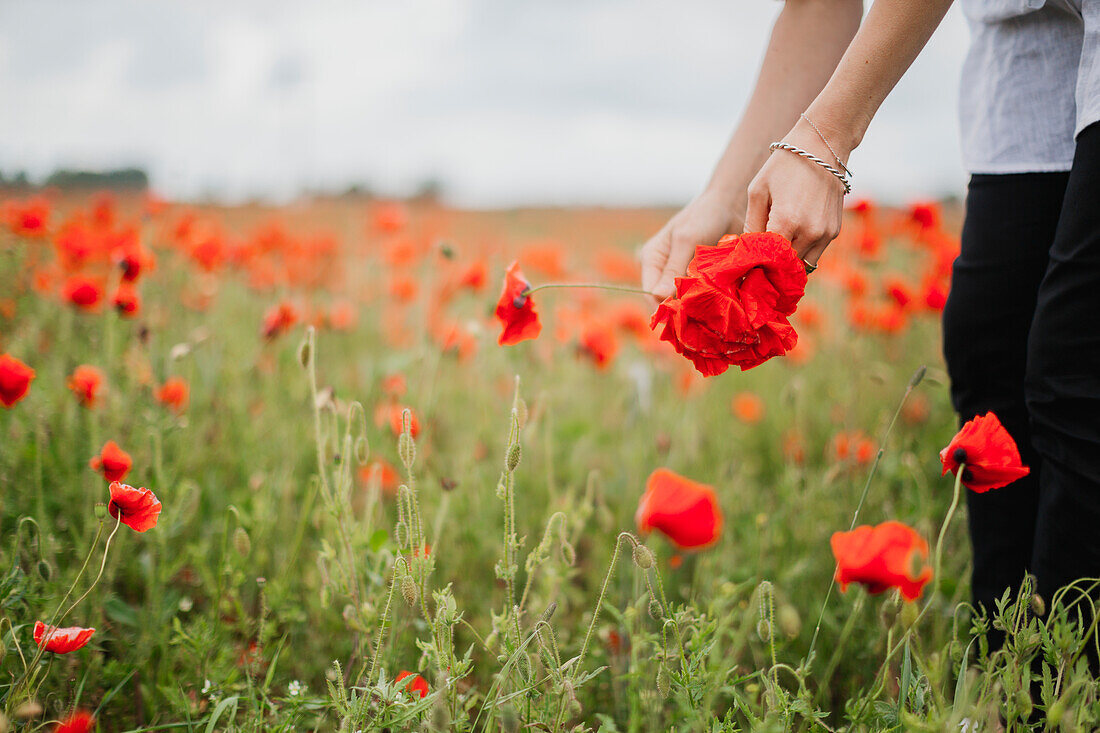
<point x="701" y="223"/>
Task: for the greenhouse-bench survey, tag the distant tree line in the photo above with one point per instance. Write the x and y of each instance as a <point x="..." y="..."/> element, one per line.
<point x="121" y="179"/>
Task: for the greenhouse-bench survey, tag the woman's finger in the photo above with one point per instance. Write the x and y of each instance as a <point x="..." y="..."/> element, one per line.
<point x="654" y="258"/>
<point x="680" y="253"/>
<point x="756" y="216"/>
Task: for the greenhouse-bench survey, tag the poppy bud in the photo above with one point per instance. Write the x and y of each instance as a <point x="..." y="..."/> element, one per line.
<point x="44" y="570"/>
<point x="789" y="621"/>
<point x="549" y="612"/>
<point x="1038" y="605"/>
<point x="100" y="510"/>
<point x="242" y="543"/>
<point x="408" y="589"/>
<point x="655" y="611"/>
<point x="909" y="614"/>
<point x="888" y="613"/>
<point x="643" y="557"/>
<point x="568" y="554"/>
<point x="1023" y="702"/>
<point x="401" y="534"/>
<point x="918" y="376"/>
<point x="406" y="449"/>
<point x="663" y="682"/>
<point x="764" y="630"/>
<point x="515" y="452"/>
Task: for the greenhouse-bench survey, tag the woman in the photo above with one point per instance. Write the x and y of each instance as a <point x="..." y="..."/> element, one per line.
<point x="1022" y="323"/>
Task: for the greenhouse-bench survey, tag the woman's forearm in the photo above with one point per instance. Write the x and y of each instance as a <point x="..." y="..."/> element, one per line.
<point x="889" y="40"/>
<point x="807" y="41"/>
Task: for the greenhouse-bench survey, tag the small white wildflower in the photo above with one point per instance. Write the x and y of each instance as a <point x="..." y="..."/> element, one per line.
<point x="206" y="686"/>
<point x="295" y="688"/>
<point x="186" y="604"/>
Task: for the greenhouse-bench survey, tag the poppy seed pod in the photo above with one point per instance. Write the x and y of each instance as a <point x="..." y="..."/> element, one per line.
<point x="100" y="510"/>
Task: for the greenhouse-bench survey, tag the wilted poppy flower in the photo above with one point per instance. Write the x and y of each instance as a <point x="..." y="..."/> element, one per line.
<point x="83" y="292"/>
<point x="731" y="307"/>
<point x="15" y="380"/>
<point x="515" y="310"/>
<point x="891" y="555"/>
<point x="416" y="684"/>
<point x="61" y="641"/>
<point x="137" y="508"/>
<point x="113" y="462"/>
<point x="174" y="393"/>
<point x="748" y="408"/>
<point x="85" y="383"/>
<point x="78" y="722"/>
<point x="989" y="453"/>
<point x="683" y="510"/>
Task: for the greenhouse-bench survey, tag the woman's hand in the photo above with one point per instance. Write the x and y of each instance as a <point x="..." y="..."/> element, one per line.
<point x="796" y="197"/>
<point x="701" y="223"/>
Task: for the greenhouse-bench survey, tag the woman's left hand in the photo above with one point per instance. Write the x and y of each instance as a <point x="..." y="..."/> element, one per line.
<point x="796" y="197"/>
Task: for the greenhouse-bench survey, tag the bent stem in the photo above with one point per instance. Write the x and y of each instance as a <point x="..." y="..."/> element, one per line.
<point x="592" y="286"/>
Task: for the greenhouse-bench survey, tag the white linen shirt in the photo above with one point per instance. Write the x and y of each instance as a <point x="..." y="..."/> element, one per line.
<point x="1030" y="83"/>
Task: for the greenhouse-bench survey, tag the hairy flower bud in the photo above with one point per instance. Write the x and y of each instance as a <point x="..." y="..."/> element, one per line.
<point x="401" y="534"/>
<point x="643" y="557"/>
<point x="764" y="630"/>
<point x="1038" y="605"/>
<point x="663" y="681"/>
<point x="304" y="354"/>
<point x="406" y="449"/>
<point x="568" y="554"/>
<point x="44" y="570"/>
<point x="242" y="543"/>
<point x="655" y="611"/>
<point x="408" y="589"/>
<point x="515" y="452"/>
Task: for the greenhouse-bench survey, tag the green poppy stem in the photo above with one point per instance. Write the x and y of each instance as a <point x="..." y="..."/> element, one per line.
<point x="596" y="286"/>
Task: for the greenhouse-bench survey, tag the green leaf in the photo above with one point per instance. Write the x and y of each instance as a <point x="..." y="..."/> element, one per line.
<point x="222" y="707"/>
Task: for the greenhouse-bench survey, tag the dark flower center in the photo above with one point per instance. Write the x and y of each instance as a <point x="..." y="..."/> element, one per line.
<point x="959" y="455"/>
<point x="519" y="301"/>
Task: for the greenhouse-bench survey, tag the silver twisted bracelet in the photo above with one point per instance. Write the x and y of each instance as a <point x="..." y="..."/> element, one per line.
<point x="816" y="160"/>
<point x="839" y="162"/>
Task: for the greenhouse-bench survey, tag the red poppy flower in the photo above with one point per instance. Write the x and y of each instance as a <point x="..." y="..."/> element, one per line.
<point x="598" y="342"/>
<point x="396" y="420"/>
<point x="15" y="380"/>
<point x="989" y="453"/>
<point x="515" y="310"/>
<point x="474" y="276"/>
<point x="731" y="307"/>
<point x="85" y="382"/>
<point x="684" y="511"/>
<point x="78" y="722"/>
<point x="83" y="292"/>
<point x="280" y="319"/>
<point x="28" y="218"/>
<point x="748" y="408"/>
<point x="113" y="462"/>
<point x="891" y="555"/>
<point x="138" y="508"/>
<point x="61" y="641"/>
<point x="174" y="393"/>
<point x="382" y="472"/>
<point x="417" y="684"/>
<point x="395" y="385"/>
<point x="126" y="300"/>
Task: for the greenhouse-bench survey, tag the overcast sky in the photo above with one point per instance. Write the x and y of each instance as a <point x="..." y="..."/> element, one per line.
<point x="504" y="102"/>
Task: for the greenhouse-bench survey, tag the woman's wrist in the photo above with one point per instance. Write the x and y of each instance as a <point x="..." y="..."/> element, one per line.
<point x="843" y="131"/>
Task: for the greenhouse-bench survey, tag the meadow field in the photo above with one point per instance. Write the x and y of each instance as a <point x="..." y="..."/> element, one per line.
<point x="373" y="516"/>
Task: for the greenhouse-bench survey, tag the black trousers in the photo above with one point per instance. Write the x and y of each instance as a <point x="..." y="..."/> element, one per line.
<point x="1022" y="338"/>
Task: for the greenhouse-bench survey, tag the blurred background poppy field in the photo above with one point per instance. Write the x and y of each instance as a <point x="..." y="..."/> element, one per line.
<point x="251" y="251"/>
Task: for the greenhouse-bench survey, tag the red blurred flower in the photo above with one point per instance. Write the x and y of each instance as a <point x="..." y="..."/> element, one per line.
<point x="28" y="218"/>
<point x="731" y="307"/>
<point x="515" y="310"/>
<point x="598" y="342"/>
<point x="683" y="510"/>
<point x="126" y="300"/>
<point x="988" y="452"/>
<point x="748" y="408"/>
<point x="382" y="472"/>
<point x="78" y="722"/>
<point x="390" y="217"/>
<point x="174" y="393"/>
<point x="138" y="508"/>
<point x="396" y="420"/>
<point x="394" y="385"/>
<point x="890" y="555"/>
<point x="416" y="684"/>
<point x="113" y="462"/>
<point x="474" y="277"/>
<point x="85" y="382"/>
<point x="61" y="641"/>
<point x="83" y="292"/>
<point x="279" y="319"/>
<point x="15" y="380"/>
<point x="925" y="214"/>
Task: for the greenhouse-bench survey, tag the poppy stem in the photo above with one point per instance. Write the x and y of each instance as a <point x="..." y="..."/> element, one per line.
<point x="102" y="565"/>
<point x="593" y="286"/>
